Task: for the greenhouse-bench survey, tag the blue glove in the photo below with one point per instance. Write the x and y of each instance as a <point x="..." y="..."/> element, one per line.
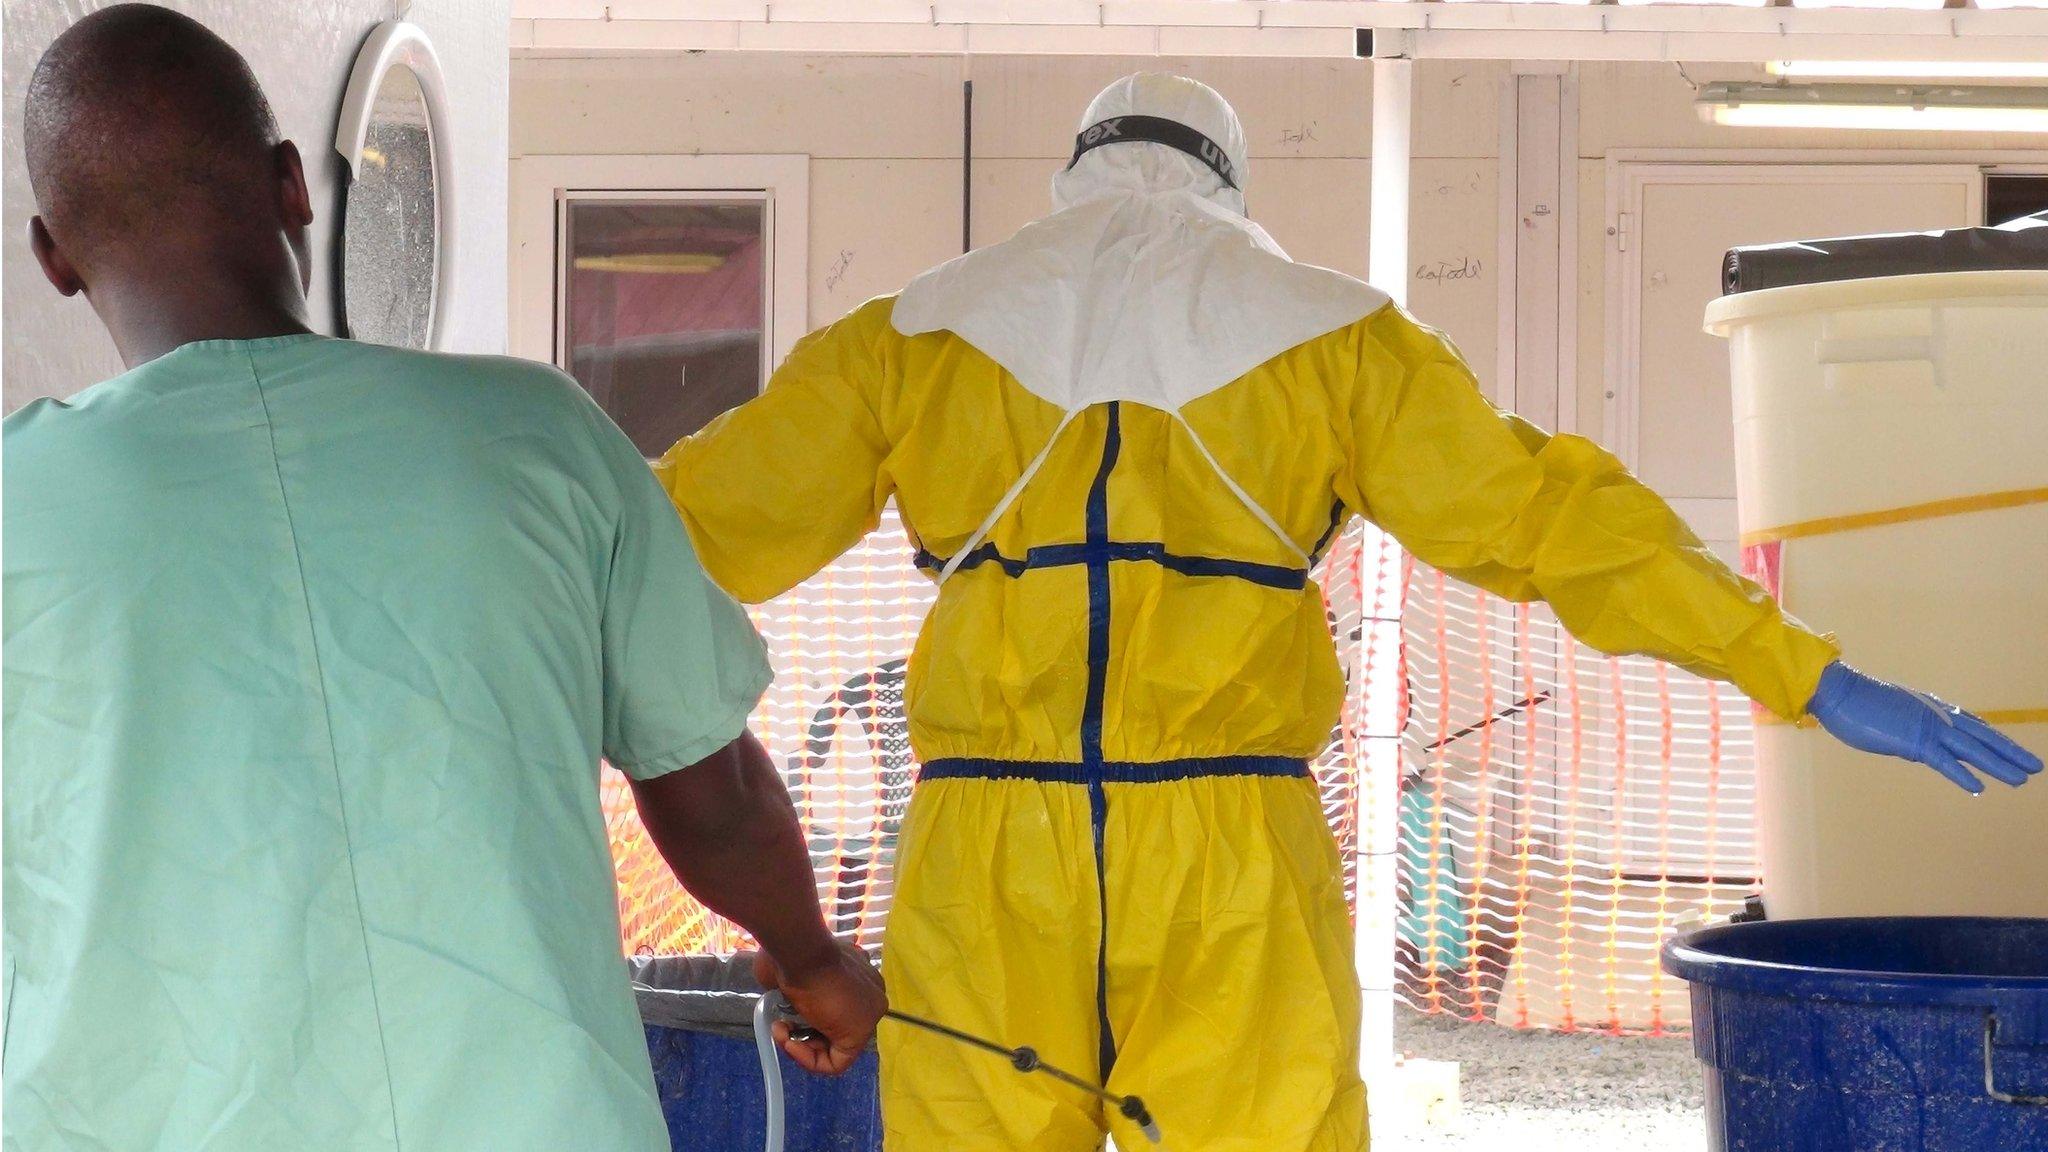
<point x="1868" y="714"/>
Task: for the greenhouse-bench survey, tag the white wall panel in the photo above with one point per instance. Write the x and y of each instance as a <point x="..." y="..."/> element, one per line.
<point x="874" y="225"/>
<point x="1453" y="236"/>
<point x="1457" y="107"/>
<point x="1008" y="194"/>
<point x="851" y="107"/>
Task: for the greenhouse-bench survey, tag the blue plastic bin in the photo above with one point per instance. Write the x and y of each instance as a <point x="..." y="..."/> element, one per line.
<point x="1877" y="1035"/>
<point x="698" y="1012"/>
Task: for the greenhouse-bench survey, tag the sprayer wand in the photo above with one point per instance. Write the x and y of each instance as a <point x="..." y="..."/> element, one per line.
<point x="772" y="1006"/>
<point x="1027" y="1060"/>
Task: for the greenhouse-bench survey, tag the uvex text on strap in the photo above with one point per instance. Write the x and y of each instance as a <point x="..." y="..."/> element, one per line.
<point x="1155" y="130"/>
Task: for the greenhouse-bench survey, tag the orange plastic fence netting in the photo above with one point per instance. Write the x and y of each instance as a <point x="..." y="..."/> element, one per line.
<point x="833" y="722"/>
<point x="1558" y="812"/>
<point x="1562" y="812"/>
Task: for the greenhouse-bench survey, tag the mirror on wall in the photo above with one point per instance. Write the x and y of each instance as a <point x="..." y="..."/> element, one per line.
<point x="397" y="244"/>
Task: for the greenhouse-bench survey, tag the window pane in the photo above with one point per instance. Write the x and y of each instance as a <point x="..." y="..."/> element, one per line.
<point x="2009" y="197"/>
<point x="665" y="311"/>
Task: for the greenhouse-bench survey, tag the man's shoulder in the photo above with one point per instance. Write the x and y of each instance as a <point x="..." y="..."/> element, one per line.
<point x="47" y="415"/>
<point x="38" y="432"/>
<point x="504" y="381"/>
<point x="31" y="418"/>
<point x="486" y="396"/>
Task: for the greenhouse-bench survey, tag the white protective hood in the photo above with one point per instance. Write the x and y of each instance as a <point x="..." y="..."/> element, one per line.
<point x="1147" y="284"/>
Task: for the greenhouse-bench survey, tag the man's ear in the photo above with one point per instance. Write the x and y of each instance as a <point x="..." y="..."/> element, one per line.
<point x="56" y="266"/>
<point x="294" y="201"/>
<point x="295" y="209"/>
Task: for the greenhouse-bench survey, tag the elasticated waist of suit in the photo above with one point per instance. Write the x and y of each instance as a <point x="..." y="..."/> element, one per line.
<point x="1113" y="771"/>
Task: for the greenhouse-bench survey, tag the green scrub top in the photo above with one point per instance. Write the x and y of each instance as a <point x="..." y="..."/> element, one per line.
<point x="312" y="648"/>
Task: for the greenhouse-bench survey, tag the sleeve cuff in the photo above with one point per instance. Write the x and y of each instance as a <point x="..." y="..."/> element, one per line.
<point x="1808" y="655"/>
<point x="727" y="729"/>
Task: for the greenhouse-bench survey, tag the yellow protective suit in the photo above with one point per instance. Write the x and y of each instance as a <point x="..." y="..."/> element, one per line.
<point x="1115" y="852"/>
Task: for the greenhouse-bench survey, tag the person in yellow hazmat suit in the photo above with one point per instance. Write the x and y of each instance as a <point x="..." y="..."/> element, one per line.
<point x="1122" y="440"/>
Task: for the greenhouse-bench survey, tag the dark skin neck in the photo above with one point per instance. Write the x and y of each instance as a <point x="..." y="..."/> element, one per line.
<point x="149" y="315"/>
<point x="238" y="276"/>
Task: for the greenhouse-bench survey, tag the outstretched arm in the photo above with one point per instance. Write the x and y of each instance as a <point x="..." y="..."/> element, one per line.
<point x="777" y="488"/>
<point x="727" y="829"/>
<point x="1492" y="500"/>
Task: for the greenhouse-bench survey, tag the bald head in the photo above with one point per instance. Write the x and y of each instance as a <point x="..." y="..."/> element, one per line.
<point x="156" y="163"/>
<point x="139" y="120"/>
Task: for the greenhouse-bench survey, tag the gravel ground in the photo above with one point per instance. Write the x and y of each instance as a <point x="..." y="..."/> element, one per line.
<point x="1553" y="1092"/>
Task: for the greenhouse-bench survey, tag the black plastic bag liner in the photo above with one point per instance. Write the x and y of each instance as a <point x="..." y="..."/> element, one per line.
<point x="2020" y="244"/>
<point x="713" y="994"/>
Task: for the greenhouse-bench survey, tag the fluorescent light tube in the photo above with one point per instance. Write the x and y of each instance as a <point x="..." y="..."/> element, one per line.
<point x="1912" y="69"/>
<point x="1925" y="108"/>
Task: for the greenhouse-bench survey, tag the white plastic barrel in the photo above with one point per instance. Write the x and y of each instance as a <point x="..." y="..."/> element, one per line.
<point x="1891" y="446"/>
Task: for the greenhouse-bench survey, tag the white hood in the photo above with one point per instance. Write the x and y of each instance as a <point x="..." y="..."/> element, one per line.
<point x="1156" y="168"/>
<point x="1147" y="284"/>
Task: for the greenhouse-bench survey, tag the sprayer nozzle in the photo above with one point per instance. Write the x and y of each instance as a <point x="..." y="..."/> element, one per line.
<point x="1134" y="1110"/>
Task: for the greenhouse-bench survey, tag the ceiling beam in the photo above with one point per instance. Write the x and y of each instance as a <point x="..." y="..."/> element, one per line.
<point x="1293" y="28"/>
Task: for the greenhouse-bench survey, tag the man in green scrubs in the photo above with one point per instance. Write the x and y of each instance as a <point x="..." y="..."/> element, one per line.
<point x="311" y="652"/>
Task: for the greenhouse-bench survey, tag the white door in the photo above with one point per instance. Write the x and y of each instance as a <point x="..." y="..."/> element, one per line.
<point x="1670" y="416"/>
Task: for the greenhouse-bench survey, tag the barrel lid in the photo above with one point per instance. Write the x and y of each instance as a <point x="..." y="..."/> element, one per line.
<point x="1724" y="314"/>
<point x="713" y="994"/>
<point x="1963" y="960"/>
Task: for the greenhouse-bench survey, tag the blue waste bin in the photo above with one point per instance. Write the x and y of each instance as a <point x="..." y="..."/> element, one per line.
<point x="698" y="1013"/>
<point x="1871" y="1035"/>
